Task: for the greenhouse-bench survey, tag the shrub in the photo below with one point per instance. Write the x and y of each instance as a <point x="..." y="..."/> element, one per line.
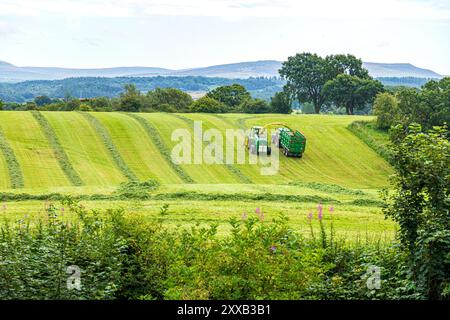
<point x="207" y="104"/>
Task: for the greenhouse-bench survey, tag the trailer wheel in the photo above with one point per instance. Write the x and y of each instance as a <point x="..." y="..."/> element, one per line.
<point x="269" y="151"/>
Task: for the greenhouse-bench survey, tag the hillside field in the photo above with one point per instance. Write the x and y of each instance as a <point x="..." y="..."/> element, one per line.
<point x="92" y="153"/>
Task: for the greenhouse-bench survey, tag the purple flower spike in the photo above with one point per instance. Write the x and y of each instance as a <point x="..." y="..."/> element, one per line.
<point x="310" y="216"/>
<point x="273" y="248"/>
<point x="62" y="209"/>
<point x="331" y="209"/>
<point x="257" y="210"/>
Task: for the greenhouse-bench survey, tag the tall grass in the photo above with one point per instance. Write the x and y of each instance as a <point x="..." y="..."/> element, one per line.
<point x="60" y="154"/>
<point x="14" y="169"/>
<point x="109" y="144"/>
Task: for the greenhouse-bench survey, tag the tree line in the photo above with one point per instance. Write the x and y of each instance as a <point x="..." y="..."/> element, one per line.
<point x="230" y="98"/>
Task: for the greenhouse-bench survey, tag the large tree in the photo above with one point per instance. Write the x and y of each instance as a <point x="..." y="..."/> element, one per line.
<point x="281" y="103"/>
<point x="131" y="99"/>
<point x="306" y="75"/>
<point x="351" y="92"/>
<point x="231" y="96"/>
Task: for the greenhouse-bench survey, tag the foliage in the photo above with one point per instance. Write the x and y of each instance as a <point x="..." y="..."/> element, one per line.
<point x="58" y="149"/>
<point x="428" y="107"/>
<point x="254" y="106"/>
<point x="385" y="108"/>
<point x="351" y="92"/>
<point x="129" y="258"/>
<point x="208" y="105"/>
<point x="306" y="75"/>
<point x="419" y="202"/>
<point x="130" y="100"/>
<point x="281" y="103"/>
<point x="173" y="100"/>
<point x="231" y="96"/>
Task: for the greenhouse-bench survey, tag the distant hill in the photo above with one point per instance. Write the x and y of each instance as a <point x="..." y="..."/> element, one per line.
<point x="242" y="70"/>
<point x="398" y="70"/>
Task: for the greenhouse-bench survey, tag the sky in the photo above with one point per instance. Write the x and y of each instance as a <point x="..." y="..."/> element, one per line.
<point x="186" y="34"/>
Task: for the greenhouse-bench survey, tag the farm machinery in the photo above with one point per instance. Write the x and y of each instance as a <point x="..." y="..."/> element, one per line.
<point x="291" y="142"/>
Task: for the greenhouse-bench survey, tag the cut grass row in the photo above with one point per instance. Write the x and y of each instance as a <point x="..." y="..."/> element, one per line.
<point x="14" y="171"/>
<point x="375" y="139"/>
<point x="154" y="136"/>
<point x="60" y="155"/>
<point x="109" y="144"/>
<point x="208" y="124"/>
<point x="35" y="155"/>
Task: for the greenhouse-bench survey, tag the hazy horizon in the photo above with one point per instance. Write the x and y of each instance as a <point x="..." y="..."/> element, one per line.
<point x="176" y="35"/>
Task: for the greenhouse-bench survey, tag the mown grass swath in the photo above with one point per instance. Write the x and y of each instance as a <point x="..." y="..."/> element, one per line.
<point x="154" y="136"/>
<point x="14" y="170"/>
<point x="103" y="133"/>
<point x="361" y="130"/>
<point x="235" y="171"/>
<point x="60" y="155"/>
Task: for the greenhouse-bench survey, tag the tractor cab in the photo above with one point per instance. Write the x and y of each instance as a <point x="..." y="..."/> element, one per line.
<point x="257" y="141"/>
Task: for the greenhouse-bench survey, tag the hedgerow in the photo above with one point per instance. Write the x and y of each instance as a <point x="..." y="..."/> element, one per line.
<point x="153" y="134"/>
<point x="130" y="258"/>
<point x="14" y="169"/>
<point x="109" y="144"/>
<point x="60" y="154"/>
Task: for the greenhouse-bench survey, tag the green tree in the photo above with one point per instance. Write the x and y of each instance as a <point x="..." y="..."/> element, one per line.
<point x="173" y="100"/>
<point x="207" y="104"/>
<point x="306" y="75"/>
<point x="385" y="107"/>
<point x="1" y="105"/>
<point x="231" y="96"/>
<point x="42" y="100"/>
<point x="254" y="106"/>
<point x="130" y="100"/>
<point x="351" y="92"/>
<point x="429" y="106"/>
<point x="281" y="103"/>
<point x="419" y="203"/>
<point x="345" y="64"/>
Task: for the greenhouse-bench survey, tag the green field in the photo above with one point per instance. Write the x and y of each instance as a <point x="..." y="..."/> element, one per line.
<point x="337" y="168"/>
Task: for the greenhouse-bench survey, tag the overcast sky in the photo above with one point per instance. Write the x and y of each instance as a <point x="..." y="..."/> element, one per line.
<point x="193" y="33"/>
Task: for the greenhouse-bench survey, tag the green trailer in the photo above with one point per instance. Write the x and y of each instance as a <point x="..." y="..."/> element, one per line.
<point x="292" y="143"/>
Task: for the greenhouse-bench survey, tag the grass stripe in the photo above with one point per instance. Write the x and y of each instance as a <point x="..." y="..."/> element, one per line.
<point x="58" y="150"/>
<point x="153" y="134"/>
<point x="109" y="144"/>
<point x="13" y="166"/>
<point x="362" y="131"/>
<point x="235" y="171"/>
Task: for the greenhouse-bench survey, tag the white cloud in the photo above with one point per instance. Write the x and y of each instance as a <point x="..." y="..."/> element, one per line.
<point x="343" y="9"/>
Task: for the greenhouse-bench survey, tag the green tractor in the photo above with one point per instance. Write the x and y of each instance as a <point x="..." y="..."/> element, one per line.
<point x="256" y="141"/>
<point x="291" y="142"/>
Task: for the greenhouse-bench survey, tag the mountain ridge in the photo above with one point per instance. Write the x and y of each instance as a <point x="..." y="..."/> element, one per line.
<point x="242" y="70"/>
